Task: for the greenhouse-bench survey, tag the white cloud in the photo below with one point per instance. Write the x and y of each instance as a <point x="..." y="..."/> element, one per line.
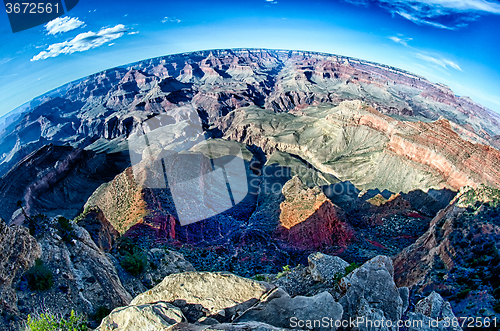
<point x="82" y="42"/>
<point x="170" y="19"/>
<point x="400" y="40"/>
<point x="443" y="14"/>
<point x="442" y="62"/>
<point x="134" y="32"/>
<point x="63" y="24"/>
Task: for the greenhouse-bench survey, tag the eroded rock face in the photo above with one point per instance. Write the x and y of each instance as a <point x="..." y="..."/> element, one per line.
<point x="162" y="263"/>
<point x="100" y="229"/>
<point x="369" y="292"/>
<point x="309" y="220"/>
<point x="18" y="251"/>
<point x="434" y="313"/>
<point x="214" y="291"/>
<point x="325" y="267"/>
<point x="84" y="278"/>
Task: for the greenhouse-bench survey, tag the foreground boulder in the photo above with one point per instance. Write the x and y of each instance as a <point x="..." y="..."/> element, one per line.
<point x="214" y="291"/>
<point x="370" y="293"/>
<point x="143" y="317"/>
<point x="434" y="313"/>
<point x="300" y="312"/>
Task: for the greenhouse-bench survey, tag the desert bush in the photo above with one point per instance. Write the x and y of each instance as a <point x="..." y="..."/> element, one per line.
<point x="134" y="263"/>
<point x="66" y="229"/>
<point x="39" y="277"/>
<point x="51" y="322"/>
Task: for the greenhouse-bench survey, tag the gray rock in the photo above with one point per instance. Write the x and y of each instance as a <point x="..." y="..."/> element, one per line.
<point x="404" y="293"/>
<point x="370" y="292"/>
<point x="214" y="291"/>
<point x="149" y="317"/>
<point x="18" y="251"/>
<point x="162" y="263"/>
<point x="325" y="267"/>
<point x="84" y="277"/>
<point x="435" y="308"/>
<point x="281" y="310"/>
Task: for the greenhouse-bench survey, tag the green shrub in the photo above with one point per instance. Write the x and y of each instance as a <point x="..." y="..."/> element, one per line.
<point x="134" y="263"/>
<point x="126" y="246"/>
<point x="286" y="270"/>
<point x="50" y="322"/>
<point x="39" y="277"/>
<point x="351" y="267"/>
<point x="65" y="229"/>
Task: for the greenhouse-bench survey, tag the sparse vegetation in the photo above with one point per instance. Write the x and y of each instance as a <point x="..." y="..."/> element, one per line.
<point x="51" y="322"/>
<point x="39" y="277"/>
<point x="65" y="229"/>
<point x="286" y="270"/>
<point x="134" y="263"/>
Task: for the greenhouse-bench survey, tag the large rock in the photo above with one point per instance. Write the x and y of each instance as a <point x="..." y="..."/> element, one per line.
<point x="434" y="313"/>
<point x="84" y="277"/>
<point x="99" y="228"/>
<point x="281" y="310"/>
<point x="18" y="251"/>
<point x="325" y="267"/>
<point x="214" y="291"/>
<point x="142" y="318"/>
<point x="369" y="292"/>
<point x="162" y="263"/>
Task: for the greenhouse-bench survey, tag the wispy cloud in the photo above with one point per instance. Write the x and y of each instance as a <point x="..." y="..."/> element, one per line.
<point x="443" y="14"/>
<point x="63" y="24"/>
<point x="400" y="40"/>
<point x="134" y="32"/>
<point x="273" y="2"/>
<point x="442" y="62"/>
<point x="5" y="60"/>
<point x="170" y="19"/>
<point x="82" y="42"/>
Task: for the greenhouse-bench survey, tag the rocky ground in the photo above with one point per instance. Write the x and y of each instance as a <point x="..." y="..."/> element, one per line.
<point x="86" y="266"/>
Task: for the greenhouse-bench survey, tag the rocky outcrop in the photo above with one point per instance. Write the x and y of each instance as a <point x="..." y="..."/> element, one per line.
<point x="368" y="296"/>
<point x="163" y="263"/>
<point x="157" y="316"/>
<point x="84" y="279"/>
<point x="100" y="229"/>
<point x="281" y="310"/>
<point x="433" y="313"/>
<point x="369" y="293"/>
<point x="309" y="220"/>
<point x="458" y="255"/>
<point x="18" y="251"/>
<point x="214" y="291"/>
<point x="324" y="267"/>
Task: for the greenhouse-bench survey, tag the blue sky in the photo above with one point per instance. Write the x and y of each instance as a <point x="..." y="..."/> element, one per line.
<point x="455" y="42"/>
